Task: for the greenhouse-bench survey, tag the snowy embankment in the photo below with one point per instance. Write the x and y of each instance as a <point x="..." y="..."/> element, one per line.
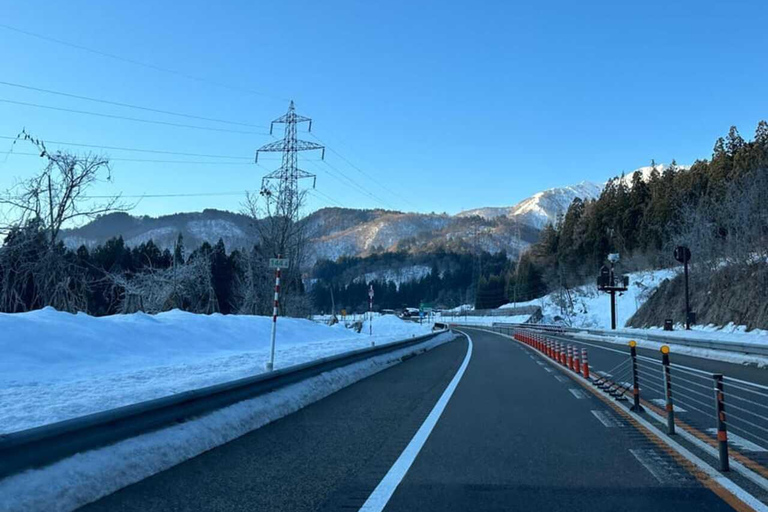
<point x="73" y="482"/>
<point x="585" y="306"/>
<point x="57" y="366"/>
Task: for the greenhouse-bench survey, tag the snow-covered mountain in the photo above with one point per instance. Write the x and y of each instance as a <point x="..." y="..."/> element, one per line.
<point x="646" y="172"/>
<point x="543" y="207"/>
<point x="336" y="232"/>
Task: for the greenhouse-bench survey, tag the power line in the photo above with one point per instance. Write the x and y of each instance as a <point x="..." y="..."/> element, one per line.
<point x="138" y="150"/>
<point x="125" y="118"/>
<point x="360" y="187"/>
<point x="358" y="169"/>
<point x="142" y="64"/>
<point x="328" y="199"/>
<point x="128" y="105"/>
<point x="144" y="160"/>
<point x="164" y="196"/>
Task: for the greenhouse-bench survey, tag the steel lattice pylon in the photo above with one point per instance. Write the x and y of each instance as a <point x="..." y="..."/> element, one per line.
<point x="282" y="184"/>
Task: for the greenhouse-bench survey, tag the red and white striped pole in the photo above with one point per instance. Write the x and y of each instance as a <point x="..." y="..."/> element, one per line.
<point x="370" y="313"/>
<point x="271" y="363"/>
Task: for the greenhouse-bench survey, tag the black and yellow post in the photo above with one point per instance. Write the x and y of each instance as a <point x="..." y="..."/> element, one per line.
<point x="668" y="390"/>
<point x="636" y="407"/>
<point x="722" y="432"/>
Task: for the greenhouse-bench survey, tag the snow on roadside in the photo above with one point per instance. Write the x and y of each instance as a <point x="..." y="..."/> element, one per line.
<point x="704" y="353"/>
<point x="485" y="320"/>
<point x="591" y="308"/>
<point x="86" y="477"/>
<point x="57" y="366"/>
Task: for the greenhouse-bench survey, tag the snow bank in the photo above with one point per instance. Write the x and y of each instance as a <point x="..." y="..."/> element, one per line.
<point x="589" y="308"/>
<point x="624" y="336"/>
<point x="57" y="366"/>
<point x="86" y="477"/>
<point x="486" y="320"/>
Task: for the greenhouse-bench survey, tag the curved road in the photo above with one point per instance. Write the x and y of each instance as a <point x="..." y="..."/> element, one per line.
<point x="515" y="435"/>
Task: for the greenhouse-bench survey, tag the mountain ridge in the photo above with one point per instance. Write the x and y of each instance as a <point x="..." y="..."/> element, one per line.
<point x="336" y="231"/>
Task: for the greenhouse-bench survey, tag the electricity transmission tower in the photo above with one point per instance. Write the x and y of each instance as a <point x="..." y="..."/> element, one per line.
<point x="282" y="184"/>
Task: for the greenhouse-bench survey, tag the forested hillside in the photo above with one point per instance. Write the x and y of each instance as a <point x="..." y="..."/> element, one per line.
<point x="717" y="207"/>
<point x="441" y="278"/>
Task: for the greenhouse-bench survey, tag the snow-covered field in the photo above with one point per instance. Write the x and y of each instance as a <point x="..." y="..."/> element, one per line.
<point x="57" y="366"/>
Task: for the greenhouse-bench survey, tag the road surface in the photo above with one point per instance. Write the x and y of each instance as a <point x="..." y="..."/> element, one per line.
<point x="514" y="435"/>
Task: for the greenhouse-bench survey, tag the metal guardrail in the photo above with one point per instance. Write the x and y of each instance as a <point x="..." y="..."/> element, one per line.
<point x="534" y="311"/>
<point x="727" y="346"/>
<point x="44" y="445"/>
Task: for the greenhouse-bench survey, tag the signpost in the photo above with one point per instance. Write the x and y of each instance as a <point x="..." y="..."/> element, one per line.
<point x="683" y="255"/>
<point x="277" y="264"/>
<point x="370" y="312"/>
<point x="606" y="282"/>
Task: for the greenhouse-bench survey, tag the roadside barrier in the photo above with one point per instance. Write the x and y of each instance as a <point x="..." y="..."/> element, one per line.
<point x="584" y="364"/>
<point x="40" y="446"/>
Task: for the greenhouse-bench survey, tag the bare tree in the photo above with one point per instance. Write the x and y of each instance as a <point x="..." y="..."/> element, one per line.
<point x="35" y="267"/>
<point x="185" y="286"/>
<point x="279" y="233"/>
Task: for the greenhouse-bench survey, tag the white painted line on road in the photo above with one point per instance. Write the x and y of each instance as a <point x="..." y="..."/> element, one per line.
<point x="562" y="378"/>
<point x="739" y="442"/>
<point x="578" y="393"/>
<point x="386" y="488"/>
<point x="651" y="462"/>
<point x="607" y="419"/>
<point x="548" y="369"/>
<point x="711" y="472"/>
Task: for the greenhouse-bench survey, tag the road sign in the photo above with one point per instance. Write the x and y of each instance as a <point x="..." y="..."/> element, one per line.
<point x="278" y="262"/>
<point x="682" y="254"/>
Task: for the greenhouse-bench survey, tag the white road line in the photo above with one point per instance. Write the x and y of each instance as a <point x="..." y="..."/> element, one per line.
<point x="562" y="378"/>
<point x="386" y="488"/>
<point x="548" y="369"/>
<point x="607" y="419"/>
<point x="711" y="472"/>
<point x="646" y="458"/>
<point x="577" y="393"/>
<point x="739" y="442"/>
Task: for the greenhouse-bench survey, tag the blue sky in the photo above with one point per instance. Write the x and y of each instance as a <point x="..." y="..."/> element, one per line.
<point x="449" y="105"/>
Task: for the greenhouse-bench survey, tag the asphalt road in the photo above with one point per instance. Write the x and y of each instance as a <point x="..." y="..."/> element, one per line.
<point x="516" y="435"/>
<point x="693" y="391"/>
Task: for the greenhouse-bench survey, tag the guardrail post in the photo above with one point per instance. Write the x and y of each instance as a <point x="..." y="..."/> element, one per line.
<point x="636" y="407"/>
<point x="584" y="364"/>
<point x="670" y="406"/>
<point x="569" y="357"/>
<point x="722" y="432"/>
<point x="576" y="367"/>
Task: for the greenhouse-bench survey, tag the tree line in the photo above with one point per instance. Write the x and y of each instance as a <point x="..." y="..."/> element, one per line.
<point x="716" y="207"/>
<point x="37" y="269"/>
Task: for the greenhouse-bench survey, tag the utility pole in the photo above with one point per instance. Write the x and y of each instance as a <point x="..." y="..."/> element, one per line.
<point x="281" y="189"/>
